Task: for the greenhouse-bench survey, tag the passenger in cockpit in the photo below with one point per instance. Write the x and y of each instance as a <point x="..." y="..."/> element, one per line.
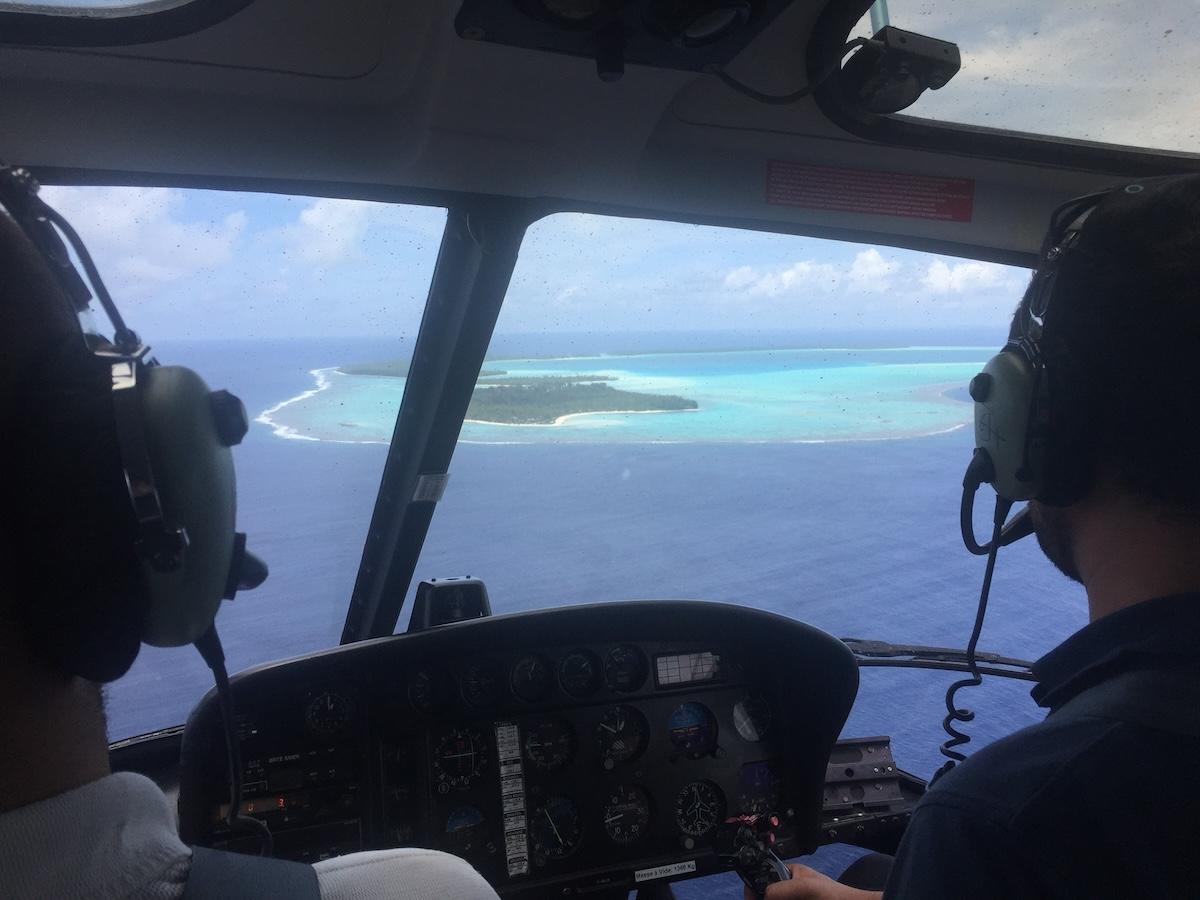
<point x="68" y="826"/>
<point x="1098" y="800"/>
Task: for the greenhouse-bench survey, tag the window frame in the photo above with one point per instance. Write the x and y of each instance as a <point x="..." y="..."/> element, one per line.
<point x="140" y="24"/>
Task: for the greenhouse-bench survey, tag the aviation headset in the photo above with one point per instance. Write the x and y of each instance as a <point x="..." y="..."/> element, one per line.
<point x="1031" y="435"/>
<point x="147" y="443"/>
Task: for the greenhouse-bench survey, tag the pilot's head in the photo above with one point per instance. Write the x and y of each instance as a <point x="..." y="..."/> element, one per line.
<point x="1124" y="328"/>
<point x="62" y="481"/>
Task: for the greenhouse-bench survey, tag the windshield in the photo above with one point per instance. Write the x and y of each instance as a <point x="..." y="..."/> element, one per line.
<point x="263" y="295"/>
<point x="676" y="411"/>
<point x="1048" y="67"/>
<point x="667" y="410"/>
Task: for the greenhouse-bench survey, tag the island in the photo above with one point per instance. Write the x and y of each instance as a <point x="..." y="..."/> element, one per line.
<point x="393" y="368"/>
<point x="545" y="401"/>
<point x="503" y="399"/>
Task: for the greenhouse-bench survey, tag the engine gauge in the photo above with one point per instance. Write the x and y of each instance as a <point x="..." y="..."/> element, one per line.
<point x="430" y="690"/>
<point x="328" y="713"/>
<point x="556" y="828"/>
<point x="699" y="808"/>
<point x="549" y="743"/>
<point x="758" y="789"/>
<point x="459" y="757"/>
<point x="532" y="679"/>
<point x="692" y="729"/>
<point x="626" y="814"/>
<point x="622" y="734"/>
<point x="752" y="717"/>
<point x="625" y="668"/>
<point x="480" y="684"/>
<point x="579" y="673"/>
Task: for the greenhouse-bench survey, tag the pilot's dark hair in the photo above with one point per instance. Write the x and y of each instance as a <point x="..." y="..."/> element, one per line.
<point x="62" y="479"/>
<point x="1126" y="309"/>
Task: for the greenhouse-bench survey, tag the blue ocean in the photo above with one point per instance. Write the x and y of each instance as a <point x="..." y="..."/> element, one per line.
<point x="819" y="482"/>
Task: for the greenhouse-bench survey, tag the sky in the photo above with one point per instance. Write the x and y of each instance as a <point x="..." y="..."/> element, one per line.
<point x="187" y="264"/>
<point x="191" y="264"/>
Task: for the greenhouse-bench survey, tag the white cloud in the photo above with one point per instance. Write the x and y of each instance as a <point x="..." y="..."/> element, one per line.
<point x="329" y="230"/>
<point x="802" y="275"/>
<point x="941" y="278"/>
<point x="871" y="272"/>
<point x="742" y="276"/>
<point x="141" y="232"/>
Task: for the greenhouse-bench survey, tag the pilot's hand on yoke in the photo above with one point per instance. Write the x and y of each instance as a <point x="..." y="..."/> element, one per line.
<point x="809" y="884"/>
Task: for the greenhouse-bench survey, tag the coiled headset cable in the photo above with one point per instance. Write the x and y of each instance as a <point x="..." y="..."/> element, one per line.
<point x="977" y="473"/>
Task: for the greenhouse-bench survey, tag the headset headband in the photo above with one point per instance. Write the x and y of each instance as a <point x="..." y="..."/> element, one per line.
<point x="1066" y="224"/>
<point x="159" y="543"/>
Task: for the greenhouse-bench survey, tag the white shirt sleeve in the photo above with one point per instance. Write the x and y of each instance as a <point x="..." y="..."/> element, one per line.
<point x="409" y="874"/>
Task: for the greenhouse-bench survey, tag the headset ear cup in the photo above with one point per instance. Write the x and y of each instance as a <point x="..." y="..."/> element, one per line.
<point x="1004" y="394"/>
<point x="82" y="600"/>
<point x="193" y="471"/>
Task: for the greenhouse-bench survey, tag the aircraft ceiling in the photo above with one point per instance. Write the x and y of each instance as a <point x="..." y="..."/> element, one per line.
<point x="365" y="95"/>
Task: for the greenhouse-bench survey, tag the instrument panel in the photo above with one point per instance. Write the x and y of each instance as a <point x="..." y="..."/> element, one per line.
<point x="562" y="751"/>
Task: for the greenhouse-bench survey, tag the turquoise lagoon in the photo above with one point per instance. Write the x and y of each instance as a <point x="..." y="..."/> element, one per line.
<point x="744" y="396"/>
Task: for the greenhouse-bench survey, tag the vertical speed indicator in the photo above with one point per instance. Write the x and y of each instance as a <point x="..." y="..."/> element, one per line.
<point x="626" y="814"/>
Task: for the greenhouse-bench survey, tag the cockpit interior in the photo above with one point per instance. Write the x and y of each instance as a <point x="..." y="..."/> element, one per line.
<point x="622" y="552"/>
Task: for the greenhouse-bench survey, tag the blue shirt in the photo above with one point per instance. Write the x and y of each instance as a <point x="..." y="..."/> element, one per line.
<point x="1101" y="799"/>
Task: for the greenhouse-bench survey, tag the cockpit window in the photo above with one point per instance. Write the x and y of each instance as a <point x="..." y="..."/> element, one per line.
<point x="267" y="296"/>
<point x="678" y="411"/>
<point x="1113" y="71"/>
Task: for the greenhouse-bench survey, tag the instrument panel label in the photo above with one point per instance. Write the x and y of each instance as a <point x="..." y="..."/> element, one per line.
<point x="868" y="191"/>
<point x="682" y="868"/>
<point x="512" y="798"/>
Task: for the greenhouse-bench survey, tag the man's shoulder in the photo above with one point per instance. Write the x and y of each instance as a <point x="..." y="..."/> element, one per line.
<point x="408" y="874"/>
<point x="1011" y="777"/>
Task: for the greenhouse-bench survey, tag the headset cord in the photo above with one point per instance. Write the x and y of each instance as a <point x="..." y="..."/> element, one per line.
<point x="123" y="337"/>
<point x="784" y="99"/>
<point x="210" y="648"/>
<point x="954" y="713"/>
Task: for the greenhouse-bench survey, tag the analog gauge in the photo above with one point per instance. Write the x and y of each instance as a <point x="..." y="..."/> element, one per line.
<point x="466" y="831"/>
<point x="328" y="713"/>
<point x="625" y="668"/>
<point x="622" y="734"/>
<point x="430" y="690"/>
<point x="579" y="673"/>
<point x="556" y="828"/>
<point x="699" y="808"/>
<point x="549" y="743"/>
<point x="752" y="717"/>
<point x="626" y="814"/>
<point x="758" y="789"/>
<point x="459" y="756"/>
<point x="692" y="729"/>
<point x="532" y="679"/>
<point x="480" y="684"/>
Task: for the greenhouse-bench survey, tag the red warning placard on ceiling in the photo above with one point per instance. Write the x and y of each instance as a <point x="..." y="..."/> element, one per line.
<point x="869" y="191"/>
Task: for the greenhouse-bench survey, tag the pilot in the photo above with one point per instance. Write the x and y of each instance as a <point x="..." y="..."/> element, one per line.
<point x="1097" y="800"/>
<point x="69" y="827"/>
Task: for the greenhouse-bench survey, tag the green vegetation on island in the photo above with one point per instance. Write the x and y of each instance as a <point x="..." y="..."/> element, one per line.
<point x="395" y="368"/>
<point x="542" y="401"/>
<point x="505" y="399"/>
